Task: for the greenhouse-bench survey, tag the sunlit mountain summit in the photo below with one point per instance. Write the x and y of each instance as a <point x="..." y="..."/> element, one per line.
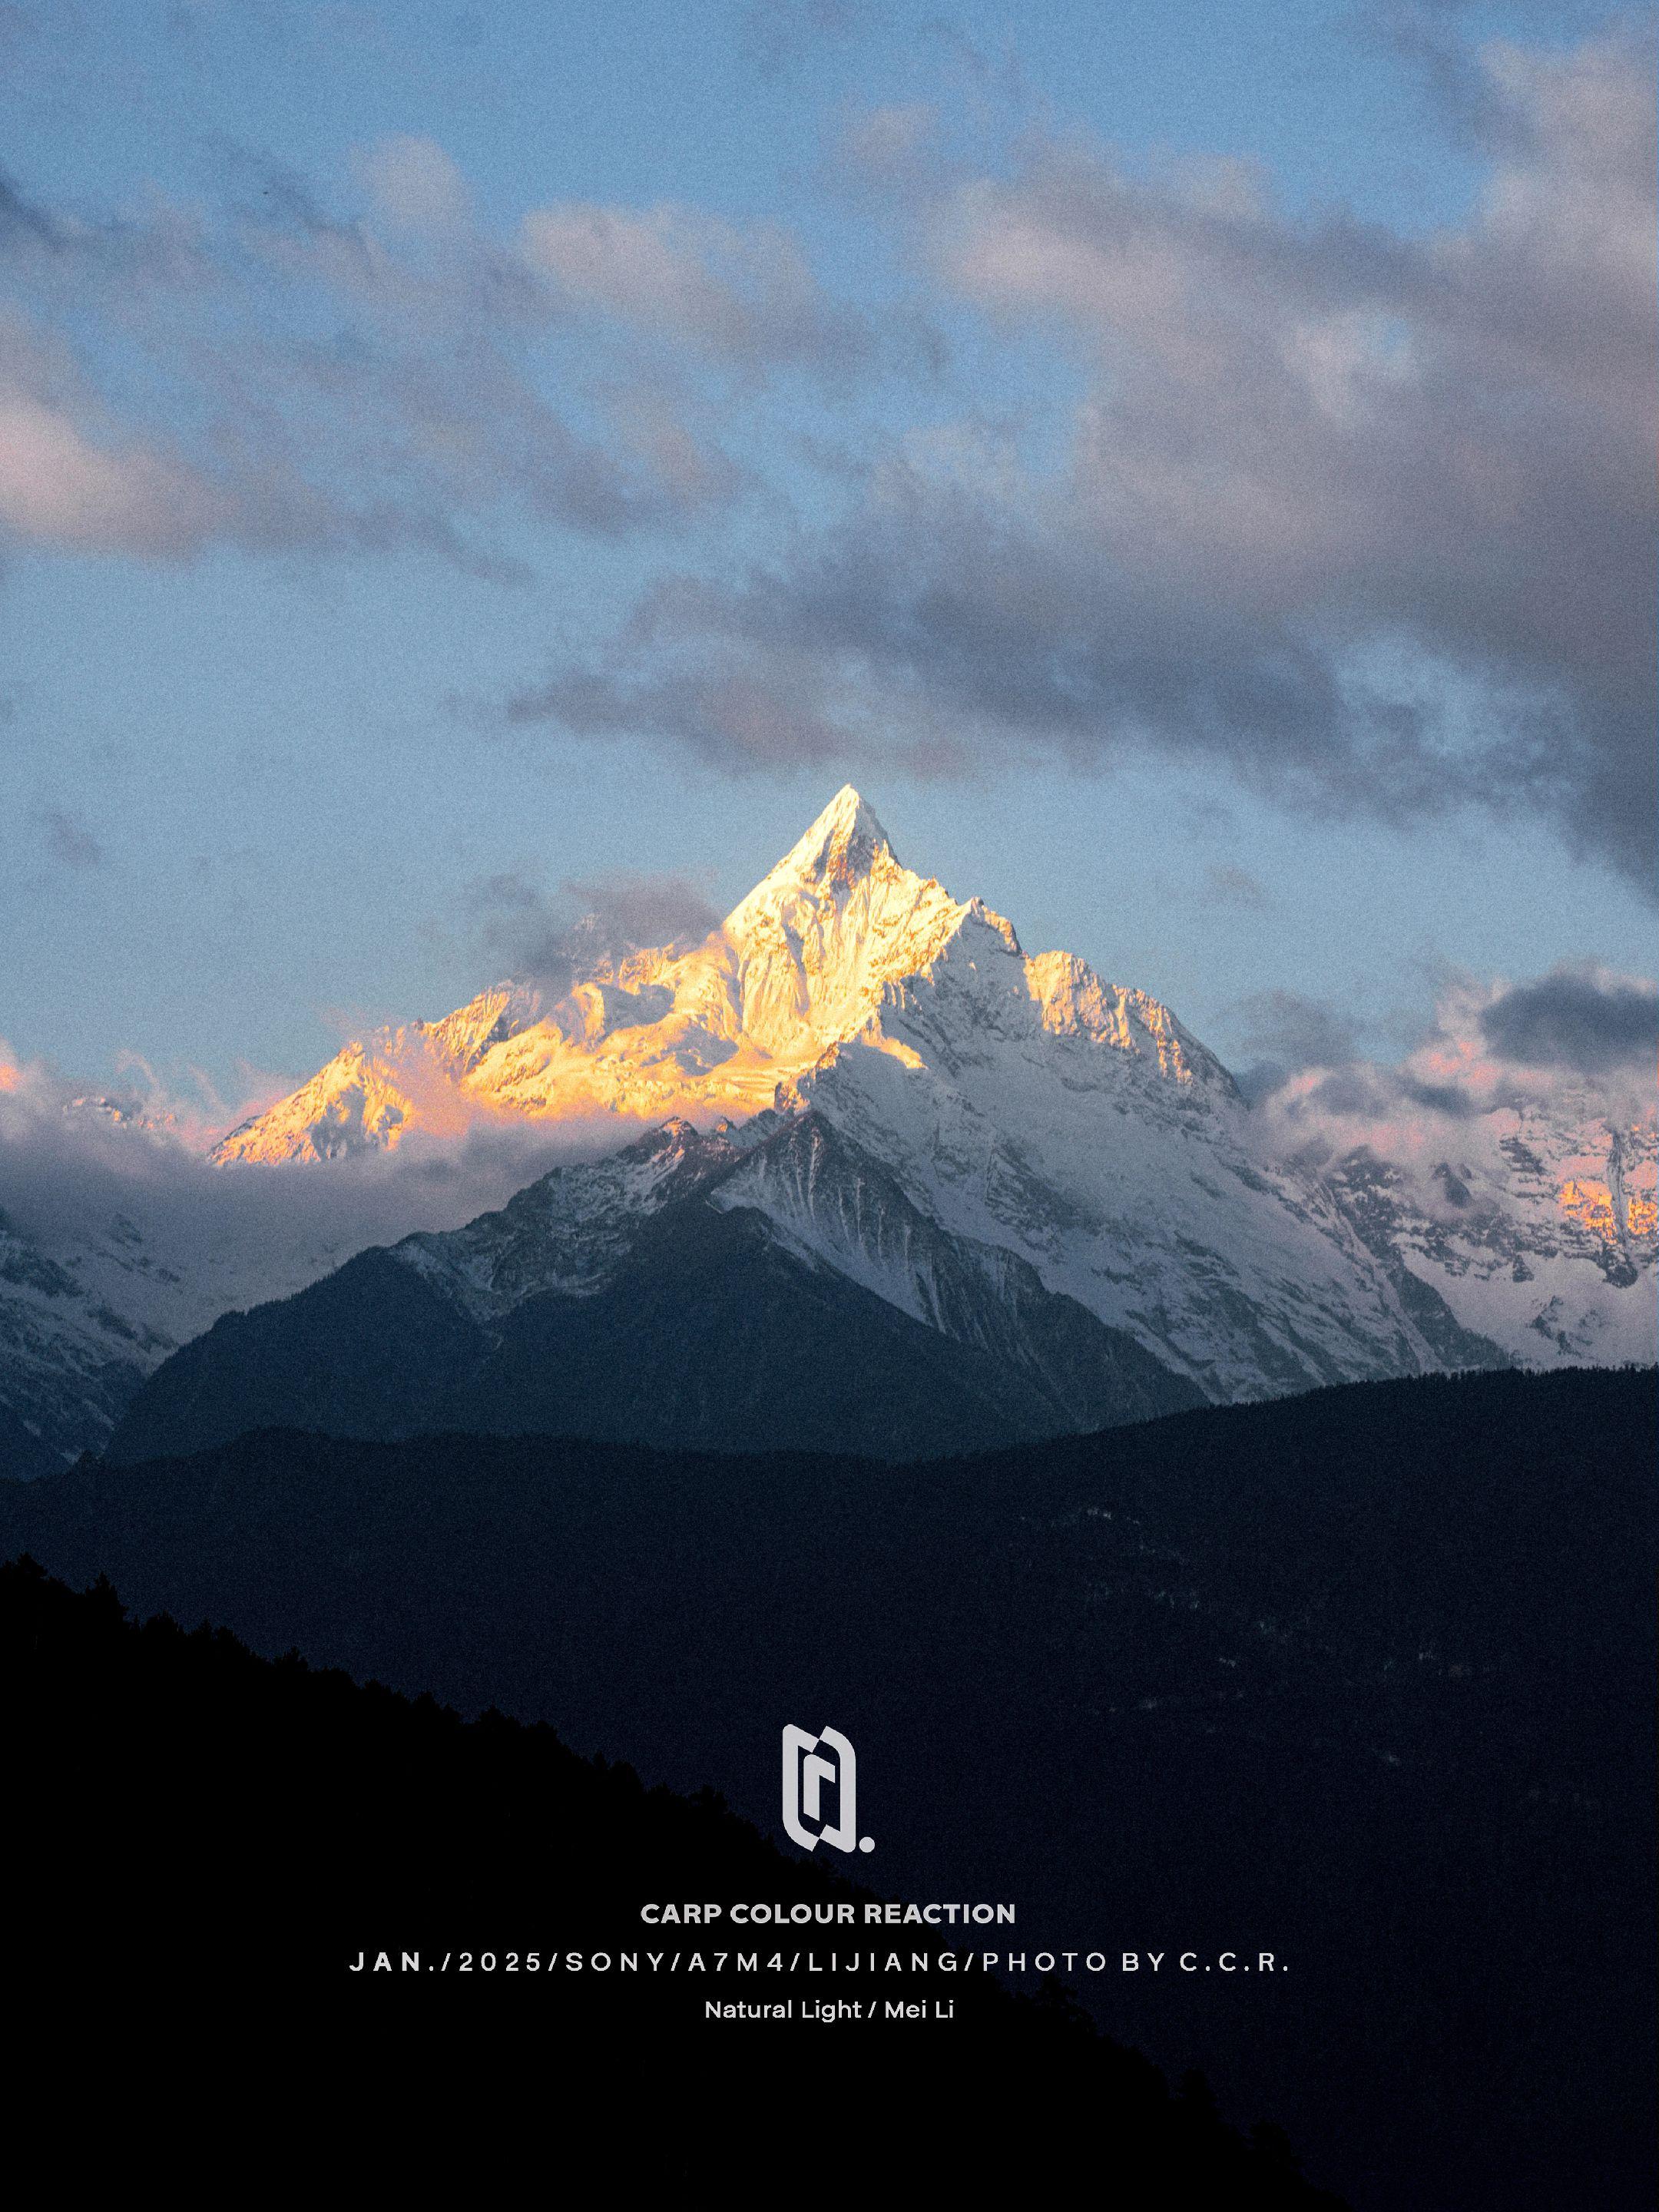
<point x="806" y="962"/>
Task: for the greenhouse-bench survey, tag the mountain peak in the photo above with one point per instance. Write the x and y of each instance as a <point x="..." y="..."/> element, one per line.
<point x="840" y="844"/>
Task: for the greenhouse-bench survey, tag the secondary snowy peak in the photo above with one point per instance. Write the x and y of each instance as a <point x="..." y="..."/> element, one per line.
<point x="371" y="1091"/>
<point x="1539" y="1231"/>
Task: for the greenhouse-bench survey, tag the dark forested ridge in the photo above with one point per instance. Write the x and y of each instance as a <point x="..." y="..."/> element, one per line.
<point x="232" y="1834"/>
<point x="1362" y="1679"/>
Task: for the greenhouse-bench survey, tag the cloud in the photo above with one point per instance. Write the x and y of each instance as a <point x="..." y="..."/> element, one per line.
<point x="68" y="840"/>
<point x="1232" y="886"/>
<point x="59" y="487"/>
<point x="415" y="184"/>
<point x="740" y="294"/>
<point x="1281" y="1032"/>
<point x="545" y="940"/>
<point x="634" y="909"/>
<point x="1581" y="1017"/>
<point x="277" y="374"/>
<point x="161" y="247"/>
<point x="69" y="479"/>
<point x="1360" y="519"/>
<point x="764" y="716"/>
<point x="1363" y="519"/>
<point x="117" y="1188"/>
<point x="1577" y="1044"/>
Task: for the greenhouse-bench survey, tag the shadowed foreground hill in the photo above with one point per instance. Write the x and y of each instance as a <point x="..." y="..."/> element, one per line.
<point x="200" y="1821"/>
<point x="1361" y="1679"/>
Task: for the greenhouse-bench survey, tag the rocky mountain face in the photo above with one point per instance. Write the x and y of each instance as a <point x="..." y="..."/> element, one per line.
<point x="69" y="1362"/>
<point x="874" y="1086"/>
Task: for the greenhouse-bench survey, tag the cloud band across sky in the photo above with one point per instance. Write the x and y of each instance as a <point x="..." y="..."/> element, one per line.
<point x="984" y="440"/>
<point x="1367" y="521"/>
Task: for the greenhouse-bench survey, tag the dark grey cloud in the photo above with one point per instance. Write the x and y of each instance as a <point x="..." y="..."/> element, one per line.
<point x="634" y="909"/>
<point x="521" y="932"/>
<point x="544" y="939"/>
<point x="1365" y="520"/>
<point x="1301" y="1032"/>
<point x="1440" y="1097"/>
<point x="1576" y="1017"/>
<point x="745" y="716"/>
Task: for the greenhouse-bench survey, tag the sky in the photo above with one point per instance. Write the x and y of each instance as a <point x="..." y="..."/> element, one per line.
<point x="1191" y="467"/>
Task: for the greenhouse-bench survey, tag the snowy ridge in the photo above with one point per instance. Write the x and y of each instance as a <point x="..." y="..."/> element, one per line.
<point x="570" y="1231"/>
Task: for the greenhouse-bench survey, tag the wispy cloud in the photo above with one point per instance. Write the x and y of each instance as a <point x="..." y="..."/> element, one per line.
<point x="1359" y="518"/>
<point x="1228" y="885"/>
<point x="743" y="295"/>
<point x="281" y="372"/>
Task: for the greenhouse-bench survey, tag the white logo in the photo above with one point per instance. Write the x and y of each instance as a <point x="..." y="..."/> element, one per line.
<point x="805" y="1773"/>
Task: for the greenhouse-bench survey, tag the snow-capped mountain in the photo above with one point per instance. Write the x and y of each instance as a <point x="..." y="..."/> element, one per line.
<point x="1025" y="1106"/>
<point x="68" y="1360"/>
<point x="90" y="1307"/>
<point x="887" y="1100"/>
